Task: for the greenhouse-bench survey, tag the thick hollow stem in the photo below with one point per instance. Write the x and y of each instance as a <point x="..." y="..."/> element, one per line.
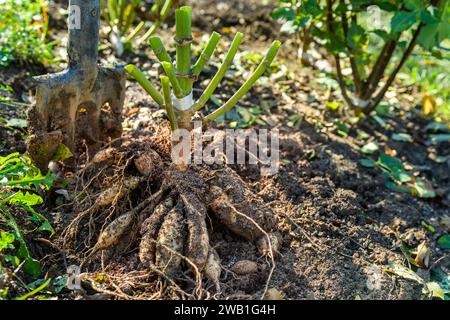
<point x="168" y="69"/>
<point x="206" y="54"/>
<point x="159" y="50"/>
<point x="265" y="63"/>
<point x="142" y="80"/>
<point x="220" y="73"/>
<point x="168" y="102"/>
<point x="183" y="38"/>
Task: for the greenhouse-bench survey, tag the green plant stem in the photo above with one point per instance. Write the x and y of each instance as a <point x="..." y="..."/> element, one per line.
<point x="168" y="69"/>
<point x="150" y="32"/>
<point x="206" y="54"/>
<point x="122" y="6"/>
<point x="183" y="37"/>
<point x="159" y="50"/>
<point x="140" y="78"/>
<point x="162" y="16"/>
<point x="165" y="10"/>
<point x="220" y="73"/>
<point x="394" y="73"/>
<point x="112" y="6"/>
<point x="168" y="102"/>
<point x="135" y="32"/>
<point x="129" y="17"/>
<point x="156" y="6"/>
<point x="330" y="26"/>
<point x="262" y="67"/>
<point x="353" y="64"/>
<point x="37" y="290"/>
<point x="379" y="68"/>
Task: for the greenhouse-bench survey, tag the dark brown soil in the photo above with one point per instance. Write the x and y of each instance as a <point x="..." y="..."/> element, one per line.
<point x="339" y="223"/>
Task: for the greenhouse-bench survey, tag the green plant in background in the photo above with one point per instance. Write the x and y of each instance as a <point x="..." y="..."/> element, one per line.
<point x="431" y="77"/>
<point x="20" y="186"/>
<point x="23" y="31"/>
<point x="376" y="52"/>
<point x="177" y="83"/>
<point x="120" y="16"/>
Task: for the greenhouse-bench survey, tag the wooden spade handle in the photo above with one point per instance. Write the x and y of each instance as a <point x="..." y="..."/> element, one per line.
<point x="84" y="24"/>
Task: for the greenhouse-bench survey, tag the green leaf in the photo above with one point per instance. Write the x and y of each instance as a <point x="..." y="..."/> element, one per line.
<point x="423" y="188"/>
<point x="382" y="34"/>
<point x="379" y="120"/>
<point x="59" y="283"/>
<point x="395" y="168"/>
<point x="368" y="163"/>
<point x="443" y="278"/>
<point x="356" y="36"/>
<point x="62" y="153"/>
<point x="13" y="260"/>
<point x="36" y="181"/>
<point x="284" y="13"/>
<point x="427" y="226"/>
<point x="402" y="137"/>
<point x="17" y="123"/>
<point x="46" y="226"/>
<point x="343" y="128"/>
<point x="403" y="20"/>
<point x="413" y="4"/>
<point x="387" y="6"/>
<point x="390" y="163"/>
<point x="6" y="239"/>
<point x="335" y="45"/>
<point x="394" y="186"/>
<point x="435" y="290"/>
<point x="437" y="138"/>
<point x="333" y="105"/>
<point x="311" y="8"/>
<point x="289" y="27"/>
<point x="428" y="36"/>
<point x="443" y="31"/>
<point x="38" y="289"/>
<point x="32" y="266"/>
<point x="28" y="199"/>
<point x="444" y="242"/>
<point x="437" y="126"/>
<point x="427" y="18"/>
<point x="370" y="148"/>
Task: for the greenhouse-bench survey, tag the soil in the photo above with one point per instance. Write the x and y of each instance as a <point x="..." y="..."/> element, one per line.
<point x="339" y="223"/>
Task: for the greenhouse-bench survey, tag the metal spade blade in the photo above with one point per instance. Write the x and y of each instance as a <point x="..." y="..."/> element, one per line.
<point x="83" y="104"/>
